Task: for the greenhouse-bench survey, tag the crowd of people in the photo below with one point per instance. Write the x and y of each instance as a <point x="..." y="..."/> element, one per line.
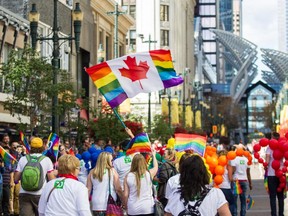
<point x="73" y="185"/>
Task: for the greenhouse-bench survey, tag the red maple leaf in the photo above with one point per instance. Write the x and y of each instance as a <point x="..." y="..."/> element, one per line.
<point x="135" y="72"/>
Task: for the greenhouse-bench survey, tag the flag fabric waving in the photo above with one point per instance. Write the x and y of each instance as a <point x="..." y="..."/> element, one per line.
<point x="53" y="143"/>
<point x="7" y="158"/>
<point x="127" y="76"/>
<point x="139" y="143"/>
<point x="25" y="142"/>
<point x="250" y="202"/>
<point x="237" y="187"/>
<point x="193" y="142"/>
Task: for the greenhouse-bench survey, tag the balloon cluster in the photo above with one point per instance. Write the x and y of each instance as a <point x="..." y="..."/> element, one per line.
<point x="216" y="164"/>
<point x="280" y="152"/>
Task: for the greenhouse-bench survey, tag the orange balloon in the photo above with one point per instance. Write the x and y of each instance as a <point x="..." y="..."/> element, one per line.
<point x="219" y="170"/>
<point x="214" y="149"/>
<point x="208" y="159"/>
<point x="231" y="155"/>
<point x="212" y="169"/>
<point x="218" y="179"/>
<point x="214" y="162"/>
<point x="208" y="148"/>
<point x="249" y="162"/>
<point x="239" y="152"/>
<point x="222" y="160"/>
<point x="210" y="152"/>
<point x="246" y="154"/>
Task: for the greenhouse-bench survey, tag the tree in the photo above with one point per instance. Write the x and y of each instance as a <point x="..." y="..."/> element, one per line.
<point x="161" y="129"/>
<point x="28" y="83"/>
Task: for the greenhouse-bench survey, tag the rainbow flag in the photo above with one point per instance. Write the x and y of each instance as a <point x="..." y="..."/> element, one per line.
<point x="237" y="187"/>
<point x="7" y="158"/>
<point x="127" y="76"/>
<point x="193" y="142"/>
<point x="139" y="143"/>
<point x="250" y="202"/>
<point x="53" y="143"/>
<point x="24" y="142"/>
<point x="266" y="181"/>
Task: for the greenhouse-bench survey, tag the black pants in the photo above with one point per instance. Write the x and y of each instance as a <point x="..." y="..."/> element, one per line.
<point x="5" y="199"/>
<point x="273" y="183"/>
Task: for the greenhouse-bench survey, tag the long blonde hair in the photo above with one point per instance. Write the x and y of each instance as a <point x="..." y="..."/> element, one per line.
<point x="139" y="168"/>
<point x="103" y="163"/>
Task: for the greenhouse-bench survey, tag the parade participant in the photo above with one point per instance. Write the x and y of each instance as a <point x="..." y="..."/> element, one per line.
<point x="65" y="195"/>
<point x="138" y="198"/>
<point x="273" y="182"/>
<point x="174" y="181"/>
<point x="241" y="173"/>
<point x="166" y="171"/>
<point x="122" y="164"/>
<point x="194" y="181"/>
<point x="99" y="180"/>
<point x="225" y="186"/>
<point x="29" y="198"/>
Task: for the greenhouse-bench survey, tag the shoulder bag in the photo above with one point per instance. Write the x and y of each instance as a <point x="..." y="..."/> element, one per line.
<point x="158" y="207"/>
<point x="112" y="208"/>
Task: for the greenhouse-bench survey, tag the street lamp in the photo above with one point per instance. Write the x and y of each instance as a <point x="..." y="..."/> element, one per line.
<point x="149" y="41"/>
<point x="77" y="20"/>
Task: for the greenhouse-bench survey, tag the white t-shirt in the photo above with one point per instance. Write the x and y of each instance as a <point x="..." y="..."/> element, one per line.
<point x="83" y="172"/>
<point x="172" y="185"/>
<point x="47" y="167"/>
<point x="68" y="198"/>
<point x="226" y="184"/>
<point x="122" y="166"/>
<point x="145" y="202"/>
<point x="209" y="206"/>
<point x="101" y="191"/>
<point x="240" y="163"/>
<point x="271" y="171"/>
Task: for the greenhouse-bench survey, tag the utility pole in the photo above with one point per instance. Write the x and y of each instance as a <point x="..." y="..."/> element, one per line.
<point x="116" y="13"/>
<point x="149" y="41"/>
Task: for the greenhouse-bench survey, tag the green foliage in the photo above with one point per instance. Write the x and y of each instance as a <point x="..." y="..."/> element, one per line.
<point x="29" y="84"/>
<point x="161" y="129"/>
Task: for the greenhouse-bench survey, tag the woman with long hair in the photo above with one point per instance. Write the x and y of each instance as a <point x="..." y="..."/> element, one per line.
<point x="138" y="197"/>
<point x="194" y="187"/>
<point x="99" y="180"/>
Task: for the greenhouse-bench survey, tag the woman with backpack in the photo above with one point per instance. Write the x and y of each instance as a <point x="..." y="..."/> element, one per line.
<point x="166" y="171"/>
<point x="194" y="196"/>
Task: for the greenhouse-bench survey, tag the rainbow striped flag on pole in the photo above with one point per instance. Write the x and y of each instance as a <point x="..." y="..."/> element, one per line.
<point x="25" y="142"/>
<point x="127" y="76"/>
<point x="53" y="144"/>
<point x="139" y="143"/>
<point x="7" y="158"/>
<point x="250" y="202"/>
<point x="193" y="142"/>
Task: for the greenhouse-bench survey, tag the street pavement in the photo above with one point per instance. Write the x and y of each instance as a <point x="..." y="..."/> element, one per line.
<point x="260" y="196"/>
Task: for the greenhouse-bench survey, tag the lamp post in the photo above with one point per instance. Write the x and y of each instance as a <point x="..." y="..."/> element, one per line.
<point x="34" y="16"/>
<point x="149" y="41"/>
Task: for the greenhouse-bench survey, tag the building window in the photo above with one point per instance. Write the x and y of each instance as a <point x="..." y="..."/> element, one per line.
<point x="164" y="13"/>
<point x="132" y="11"/>
<point x="133" y="37"/>
<point x="164" y="37"/>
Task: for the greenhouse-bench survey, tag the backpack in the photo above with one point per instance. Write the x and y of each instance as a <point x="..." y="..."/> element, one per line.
<point x="193" y="210"/>
<point x="167" y="171"/>
<point x="32" y="178"/>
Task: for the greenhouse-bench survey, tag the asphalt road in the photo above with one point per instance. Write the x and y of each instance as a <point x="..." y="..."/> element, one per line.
<point x="260" y="196"/>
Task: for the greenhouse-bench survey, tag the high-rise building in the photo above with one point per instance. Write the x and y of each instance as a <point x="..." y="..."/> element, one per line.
<point x="282" y="25"/>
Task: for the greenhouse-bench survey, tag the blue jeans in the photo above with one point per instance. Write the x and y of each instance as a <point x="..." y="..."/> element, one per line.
<point x="229" y="197"/>
<point x="273" y="183"/>
<point x="242" y="196"/>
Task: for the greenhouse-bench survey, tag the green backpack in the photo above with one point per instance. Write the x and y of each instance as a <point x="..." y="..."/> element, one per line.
<point x="32" y="178"/>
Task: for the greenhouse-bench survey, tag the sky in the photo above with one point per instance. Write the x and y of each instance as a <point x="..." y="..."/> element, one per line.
<point x="260" y="25"/>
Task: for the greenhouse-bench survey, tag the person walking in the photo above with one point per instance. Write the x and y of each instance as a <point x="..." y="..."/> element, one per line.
<point x="138" y="198"/>
<point x="65" y="195"/>
<point x="101" y="180"/>
<point x="194" y="190"/>
<point x="29" y="195"/>
<point x="241" y="174"/>
<point x="273" y="182"/>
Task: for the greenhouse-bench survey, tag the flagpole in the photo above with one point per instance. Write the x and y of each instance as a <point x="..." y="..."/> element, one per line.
<point x="117" y="114"/>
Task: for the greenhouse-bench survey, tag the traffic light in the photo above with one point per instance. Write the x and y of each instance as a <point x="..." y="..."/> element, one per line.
<point x="214" y="129"/>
